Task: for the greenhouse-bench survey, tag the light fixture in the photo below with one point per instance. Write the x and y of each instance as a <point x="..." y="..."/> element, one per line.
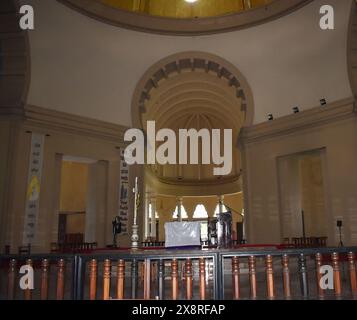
<point x="190" y="1"/>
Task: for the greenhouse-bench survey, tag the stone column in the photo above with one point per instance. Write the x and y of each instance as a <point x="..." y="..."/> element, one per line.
<point x="179" y="209"/>
<point x="153" y="218"/>
<point x="147" y="216"/>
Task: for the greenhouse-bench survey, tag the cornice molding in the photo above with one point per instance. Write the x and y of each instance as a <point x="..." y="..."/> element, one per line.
<point x="307" y="119"/>
<point x="64" y="122"/>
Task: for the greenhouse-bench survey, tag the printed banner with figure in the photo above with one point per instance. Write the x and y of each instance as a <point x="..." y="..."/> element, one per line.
<point x="33" y="188"/>
<point x="124" y="193"/>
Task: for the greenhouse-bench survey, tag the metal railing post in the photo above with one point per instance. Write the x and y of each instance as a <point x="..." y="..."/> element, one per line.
<point x="78" y="278"/>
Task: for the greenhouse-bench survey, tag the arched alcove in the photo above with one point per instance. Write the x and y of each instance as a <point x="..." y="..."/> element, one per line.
<point x="193" y="90"/>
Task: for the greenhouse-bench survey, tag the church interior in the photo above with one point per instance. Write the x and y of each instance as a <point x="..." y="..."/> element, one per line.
<point x="76" y="76"/>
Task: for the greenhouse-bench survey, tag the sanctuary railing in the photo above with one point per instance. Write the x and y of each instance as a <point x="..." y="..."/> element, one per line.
<point x="248" y="273"/>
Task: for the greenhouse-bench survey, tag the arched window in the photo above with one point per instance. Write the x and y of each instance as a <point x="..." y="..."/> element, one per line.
<point x="183" y="213"/>
<point x="200" y="212"/>
<point x="150" y="210"/>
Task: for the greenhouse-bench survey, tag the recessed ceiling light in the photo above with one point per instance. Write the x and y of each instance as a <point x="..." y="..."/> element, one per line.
<point x="191" y="1"/>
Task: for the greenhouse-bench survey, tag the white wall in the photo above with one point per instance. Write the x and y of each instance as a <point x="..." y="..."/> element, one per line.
<point x="85" y="67"/>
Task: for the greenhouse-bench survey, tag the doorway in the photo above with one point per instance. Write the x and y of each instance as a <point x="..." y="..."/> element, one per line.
<point x="73" y="201"/>
<point x="302" y="195"/>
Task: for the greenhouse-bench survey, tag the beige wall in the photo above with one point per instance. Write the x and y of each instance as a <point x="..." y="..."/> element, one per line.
<point x="287" y="62"/>
<point x="74" y="185"/>
<point x="65" y="135"/>
<point x="333" y="128"/>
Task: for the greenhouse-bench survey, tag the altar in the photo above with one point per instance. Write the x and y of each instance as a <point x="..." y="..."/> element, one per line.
<point x="182" y="234"/>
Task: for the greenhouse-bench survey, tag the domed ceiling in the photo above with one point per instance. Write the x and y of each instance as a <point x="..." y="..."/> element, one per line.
<point x="186" y="9"/>
<point x="185" y="17"/>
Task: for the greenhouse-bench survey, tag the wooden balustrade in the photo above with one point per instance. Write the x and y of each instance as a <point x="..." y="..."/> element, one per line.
<point x="28" y="292"/>
<point x="60" y="279"/>
<point x="120" y="279"/>
<point x="318" y="264"/>
<point x="235" y="278"/>
<point x="174" y="276"/>
<point x="352" y="271"/>
<point x="106" y="279"/>
<point x="44" y="279"/>
<point x="270" y="277"/>
<point x="93" y="274"/>
<point x="202" y="273"/>
<point x="252" y="277"/>
<point x="188" y="275"/>
<point x="11" y="280"/>
<point x="286" y="276"/>
<point x="336" y="274"/>
<point x="152" y="281"/>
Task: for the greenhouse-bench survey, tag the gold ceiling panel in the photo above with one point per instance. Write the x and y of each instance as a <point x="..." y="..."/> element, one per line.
<point x="184" y="10"/>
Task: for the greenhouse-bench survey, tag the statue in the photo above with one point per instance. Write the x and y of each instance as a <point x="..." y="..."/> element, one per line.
<point x="116" y="229"/>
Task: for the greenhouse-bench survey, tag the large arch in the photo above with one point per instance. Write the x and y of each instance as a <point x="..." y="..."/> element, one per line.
<point x="193" y="90"/>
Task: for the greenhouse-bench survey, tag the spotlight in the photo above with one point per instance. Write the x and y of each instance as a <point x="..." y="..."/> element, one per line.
<point x="296" y="110"/>
<point x="323" y="102"/>
<point x="270" y="117"/>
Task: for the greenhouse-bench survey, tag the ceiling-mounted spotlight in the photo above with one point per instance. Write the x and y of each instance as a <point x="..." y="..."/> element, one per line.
<point x="323" y="102"/>
<point x="296" y="110"/>
<point x="270" y="117"/>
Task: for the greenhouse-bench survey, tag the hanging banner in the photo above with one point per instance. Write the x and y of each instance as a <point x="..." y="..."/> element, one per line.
<point x="124" y="193"/>
<point x="33" y="188"/>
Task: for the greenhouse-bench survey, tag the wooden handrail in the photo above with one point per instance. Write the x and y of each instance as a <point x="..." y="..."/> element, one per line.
<point x="201" y="267"/>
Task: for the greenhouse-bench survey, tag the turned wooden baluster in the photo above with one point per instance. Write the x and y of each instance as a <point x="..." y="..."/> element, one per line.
<point x="318" y="260"/>
<point x="11" y="280"/>
<point x="60" y="279"/>
<point x="336" y="274"/>
<point x="188" y="275"/>
<point x="270" y="277"/>
<point x="147" y="280"/>
<point x="352" y="270"/>
<point x="28" y="292"/>
<point x="174" y="276"/>
<point x="44" y="279"/>
<point x="252" y="277"/>
<point x="106" y="279"/>
<point x="93" y="272"/>
<point x="286" y="276"/>
<point x="235" y="276"/>
<point x="202" y="269"/>
<point x="120" y="279"/>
